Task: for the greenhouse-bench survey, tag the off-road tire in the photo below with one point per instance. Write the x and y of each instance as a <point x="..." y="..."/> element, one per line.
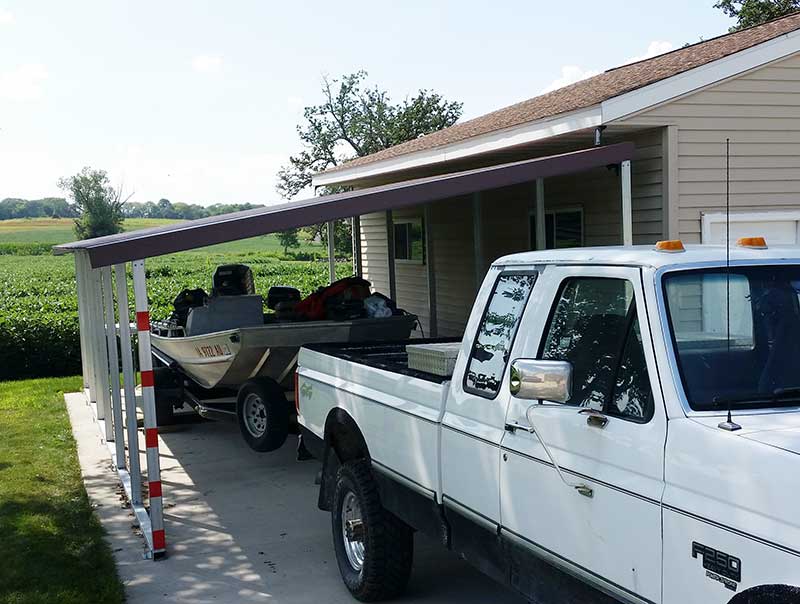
<point x="277" y="415"/>
<point x="389" y="542"/>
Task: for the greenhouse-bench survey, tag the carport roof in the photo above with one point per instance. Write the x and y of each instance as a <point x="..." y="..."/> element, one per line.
<point x="146" y="243"/>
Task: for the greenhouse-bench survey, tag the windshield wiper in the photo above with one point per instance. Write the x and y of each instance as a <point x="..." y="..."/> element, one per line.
<point x="788" y="396"/>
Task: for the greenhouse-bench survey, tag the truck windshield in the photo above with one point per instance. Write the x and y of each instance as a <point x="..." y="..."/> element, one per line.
<point x="749" y="362"/>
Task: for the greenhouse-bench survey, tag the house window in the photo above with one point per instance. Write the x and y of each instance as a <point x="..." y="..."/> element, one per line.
<point x="562" y="228"/>
<point x="409" y="240"/>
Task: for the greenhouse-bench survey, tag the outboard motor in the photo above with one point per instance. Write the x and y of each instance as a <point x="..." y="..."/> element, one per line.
<point x="233" y="280"/>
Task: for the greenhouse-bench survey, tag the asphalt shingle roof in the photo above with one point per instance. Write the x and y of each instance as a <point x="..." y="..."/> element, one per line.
<point x="591" y="91"/>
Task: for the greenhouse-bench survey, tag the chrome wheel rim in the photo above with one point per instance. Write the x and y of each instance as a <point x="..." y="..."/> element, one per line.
<point x="255" y="415"/>
<point x="353" y="531"/>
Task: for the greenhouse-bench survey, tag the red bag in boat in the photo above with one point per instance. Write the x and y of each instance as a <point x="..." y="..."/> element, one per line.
<point x="314" y="306"/>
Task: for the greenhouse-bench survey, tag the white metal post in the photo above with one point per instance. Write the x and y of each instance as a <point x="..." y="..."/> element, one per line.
<point x="113" y="365"/>
<point x="477" y="238"/>
<point x="433" y="324"/>
<point x="390" y="255"/>
<point x="86" y="323"/>
<point x="331" y="251"/>
<point x="80" y="286"/>
<point x="157" y="538"/>
<point x="541" y="233"/>
<point x="101" y="354"/>
<point x="627" y="209"/>
<point x="128" y="384"/>
<point x="356" y="227"/>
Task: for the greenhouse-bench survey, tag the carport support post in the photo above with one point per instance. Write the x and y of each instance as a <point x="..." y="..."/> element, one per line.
<point x="128" y="384"/>
<point x="331" y="251"/>
<point x="433" y="326"/>
<point x="357" y="267"/>
<point x="113" y="366"/>
<point x="540" y="235"/>
<point x="627" y="209"/>
<point x="157" y="539"/>
<point x="101" y="354"/>
<point x="477" y="238"/>
<point x="390" y="255"/>
<point x="80" y="286"/>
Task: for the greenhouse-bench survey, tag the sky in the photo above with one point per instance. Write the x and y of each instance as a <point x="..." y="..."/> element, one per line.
<point x="198" y="101"/>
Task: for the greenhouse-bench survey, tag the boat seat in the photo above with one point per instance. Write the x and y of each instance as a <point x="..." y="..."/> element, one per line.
<point x="225" y="312"/>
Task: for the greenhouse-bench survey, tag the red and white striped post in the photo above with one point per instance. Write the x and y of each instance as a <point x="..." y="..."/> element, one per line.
<point x="158" y="539"/>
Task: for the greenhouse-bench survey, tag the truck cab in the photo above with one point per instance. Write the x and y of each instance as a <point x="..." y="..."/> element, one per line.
<point x="622" y="424"/>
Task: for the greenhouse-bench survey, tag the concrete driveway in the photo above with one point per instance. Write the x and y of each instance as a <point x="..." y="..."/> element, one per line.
<point x="244" y="527"/>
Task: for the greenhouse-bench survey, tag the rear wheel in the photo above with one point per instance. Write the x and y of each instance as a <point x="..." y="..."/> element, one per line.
<point x="374" y="548"/>
<point x="263" y="415"/>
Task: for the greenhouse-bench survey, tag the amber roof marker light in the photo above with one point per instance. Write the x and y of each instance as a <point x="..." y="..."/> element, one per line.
<point x="755" y="243"/>
<point x="670" y="246"/>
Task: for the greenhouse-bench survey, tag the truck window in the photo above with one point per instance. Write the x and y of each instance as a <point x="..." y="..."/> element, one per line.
<point x="495" y="336"/>
<point x="594" y="326"/>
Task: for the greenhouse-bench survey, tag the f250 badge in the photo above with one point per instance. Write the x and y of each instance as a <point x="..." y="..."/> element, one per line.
<point x="306" y="390"/>
<point x="719" y="566"/>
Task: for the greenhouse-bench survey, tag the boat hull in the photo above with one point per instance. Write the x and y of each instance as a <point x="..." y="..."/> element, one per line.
<point x="231" y="357"/>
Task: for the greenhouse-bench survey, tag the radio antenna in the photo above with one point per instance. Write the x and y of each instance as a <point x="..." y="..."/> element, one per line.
<point x="728" y="424"/>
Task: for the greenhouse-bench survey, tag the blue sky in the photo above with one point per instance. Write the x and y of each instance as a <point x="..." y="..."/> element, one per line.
<point x="197" y="101"/>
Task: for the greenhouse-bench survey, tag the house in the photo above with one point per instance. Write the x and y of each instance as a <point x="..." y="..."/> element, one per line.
<point x="678" y="109"/>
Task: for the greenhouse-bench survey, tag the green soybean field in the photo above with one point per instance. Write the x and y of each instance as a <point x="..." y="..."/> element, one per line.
<point x="39" y="333"/>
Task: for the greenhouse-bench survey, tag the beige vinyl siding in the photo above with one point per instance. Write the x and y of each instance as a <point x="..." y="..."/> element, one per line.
<point x="760" y="112"/>
<point x="454" y="263"/>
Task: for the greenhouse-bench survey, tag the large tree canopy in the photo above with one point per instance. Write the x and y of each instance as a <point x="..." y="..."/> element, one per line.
<point x="755" y="12"/>
<point x="355" y="120"/>
<point x="352" y="121"/>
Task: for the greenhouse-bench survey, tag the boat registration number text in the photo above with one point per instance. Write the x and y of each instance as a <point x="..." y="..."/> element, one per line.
<point x="212" y="350"/>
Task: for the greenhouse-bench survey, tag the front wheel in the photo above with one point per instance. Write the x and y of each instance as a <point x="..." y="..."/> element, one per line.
<point x="374" y="548"/>
<point x="263" y="415"/>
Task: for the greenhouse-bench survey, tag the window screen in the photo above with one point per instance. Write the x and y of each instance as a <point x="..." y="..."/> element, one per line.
<point x="489" y="357"/>
<point x="594" y="326"/>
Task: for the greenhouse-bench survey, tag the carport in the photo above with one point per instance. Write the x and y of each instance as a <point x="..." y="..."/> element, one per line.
<point x="102" y="279"/>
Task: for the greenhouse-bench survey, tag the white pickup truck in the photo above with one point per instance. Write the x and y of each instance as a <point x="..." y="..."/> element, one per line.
<point x="582" y="450"/>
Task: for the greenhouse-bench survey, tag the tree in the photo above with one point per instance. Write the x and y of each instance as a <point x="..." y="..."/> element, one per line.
<point x="98" y="204"/>
<point x="354" y="121"/>
<point x="755" y="12"/>
<point x="342" y="236"/>
<point x="289" y="239"/>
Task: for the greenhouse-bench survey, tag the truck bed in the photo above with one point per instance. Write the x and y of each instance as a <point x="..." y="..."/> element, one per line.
<point x="389" y="356"/>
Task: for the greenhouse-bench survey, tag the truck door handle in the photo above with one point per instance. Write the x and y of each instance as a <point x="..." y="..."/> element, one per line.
<point x="512" y="427"/>
<point x="594" y="418"/>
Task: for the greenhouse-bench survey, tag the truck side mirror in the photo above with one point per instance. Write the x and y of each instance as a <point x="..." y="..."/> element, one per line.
<point x="547" y="380"/>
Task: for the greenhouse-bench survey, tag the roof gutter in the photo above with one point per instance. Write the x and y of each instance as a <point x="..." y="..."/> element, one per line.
<point x="491" y="141"/>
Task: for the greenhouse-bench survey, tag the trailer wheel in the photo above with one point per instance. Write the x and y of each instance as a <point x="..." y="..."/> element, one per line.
<point x="374" y="548"/>
<point x="263" y="415"/>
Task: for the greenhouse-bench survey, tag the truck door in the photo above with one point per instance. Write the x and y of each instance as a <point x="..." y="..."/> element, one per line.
<point x="472" y="425"/>
<point x="608" y="438"/>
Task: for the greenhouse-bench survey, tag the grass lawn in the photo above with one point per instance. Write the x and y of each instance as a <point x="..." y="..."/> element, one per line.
<point x="51" y="545"/>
